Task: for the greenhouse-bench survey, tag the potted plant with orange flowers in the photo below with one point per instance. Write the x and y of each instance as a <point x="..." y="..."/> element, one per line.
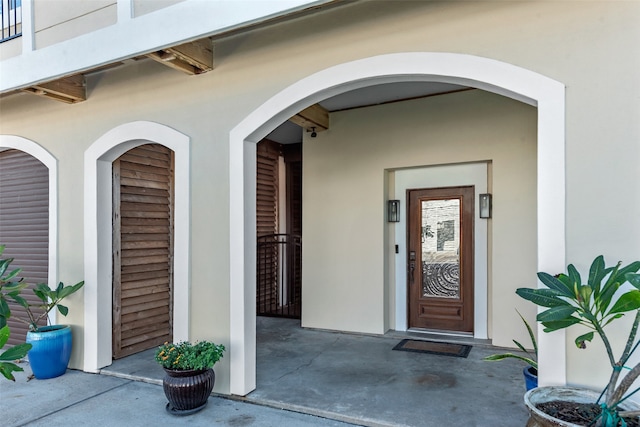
<point x="189" y="376"/>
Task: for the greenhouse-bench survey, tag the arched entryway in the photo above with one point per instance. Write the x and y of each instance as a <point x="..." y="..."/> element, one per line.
<point x="98" y="204"/>
<point x="482" y="73"/>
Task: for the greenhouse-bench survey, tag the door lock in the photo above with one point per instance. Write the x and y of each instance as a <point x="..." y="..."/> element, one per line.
<point x="412" y="265"/>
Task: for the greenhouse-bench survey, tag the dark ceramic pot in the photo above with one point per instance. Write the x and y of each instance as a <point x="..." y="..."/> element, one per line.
<point x="50" y="351"/>
<point x="187" y="390"/>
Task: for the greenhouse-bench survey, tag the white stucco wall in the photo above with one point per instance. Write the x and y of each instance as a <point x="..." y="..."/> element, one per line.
<point x="586" y="48"/>
<point x="344" y="201"/>
<point x="53" y="23"/>
<point x="142" y="7"/>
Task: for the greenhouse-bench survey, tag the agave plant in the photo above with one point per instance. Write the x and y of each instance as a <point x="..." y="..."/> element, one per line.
<point x="595" y="304"/>
<point x="530" y="359"/>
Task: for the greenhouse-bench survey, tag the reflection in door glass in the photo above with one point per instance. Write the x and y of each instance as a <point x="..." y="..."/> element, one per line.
<point x="441" y="248"/>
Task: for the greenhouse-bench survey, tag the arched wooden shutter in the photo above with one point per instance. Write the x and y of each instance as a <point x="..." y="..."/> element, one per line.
<point x="143" y="249"/>
<point x="24" y="226"/>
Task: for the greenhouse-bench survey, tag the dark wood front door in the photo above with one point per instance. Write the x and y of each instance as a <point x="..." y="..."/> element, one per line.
<point x="142" y="249"/>
<point x="440" y="258"/>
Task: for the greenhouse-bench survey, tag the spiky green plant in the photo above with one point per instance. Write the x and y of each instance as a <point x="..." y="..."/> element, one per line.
<point x="530" y="359"/>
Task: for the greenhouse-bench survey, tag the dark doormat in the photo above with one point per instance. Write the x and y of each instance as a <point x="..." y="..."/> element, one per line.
<point x="434" y="347"/>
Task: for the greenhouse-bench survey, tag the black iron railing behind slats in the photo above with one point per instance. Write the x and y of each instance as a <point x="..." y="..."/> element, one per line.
<point x="279" y="276"/>
<point x="11" y="17"/>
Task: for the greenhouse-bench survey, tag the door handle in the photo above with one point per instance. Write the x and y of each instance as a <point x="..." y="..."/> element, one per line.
<point x="412" y="265"/>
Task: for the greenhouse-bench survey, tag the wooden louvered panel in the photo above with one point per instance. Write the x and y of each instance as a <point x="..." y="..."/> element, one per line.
<point x="267" y="165"/>
<point x="140" y="290"/>
<point x="133" y="285"/>
<point x="294" y="218"/>
<point x="268" y="153"/>
<point x="24" y="226"/>
<point x="142" y="332"/>
<point x="149" y="320"/>
<point x="143" y="280"/>
<point x="129" y="320"/>
<point x="146" y="275"/>
<point x="144" y="268"/>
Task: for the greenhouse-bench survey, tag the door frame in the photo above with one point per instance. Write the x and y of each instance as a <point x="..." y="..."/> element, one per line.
<point x="444" y="176"/>
<point x="98" y="202"/>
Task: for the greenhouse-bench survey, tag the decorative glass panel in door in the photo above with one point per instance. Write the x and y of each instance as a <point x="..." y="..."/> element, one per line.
<point x="441" y="248"/>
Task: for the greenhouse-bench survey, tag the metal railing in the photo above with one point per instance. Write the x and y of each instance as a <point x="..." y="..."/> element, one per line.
<point x="279" y="276"/>
<point x="11" y="17"/>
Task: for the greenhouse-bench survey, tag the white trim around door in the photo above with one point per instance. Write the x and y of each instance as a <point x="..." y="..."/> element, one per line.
<point x="98" y="159"/>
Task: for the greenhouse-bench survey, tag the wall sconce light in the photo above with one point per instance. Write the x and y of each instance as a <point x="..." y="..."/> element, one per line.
<point x="485" y="205"/>
<point x="393" y="211"/>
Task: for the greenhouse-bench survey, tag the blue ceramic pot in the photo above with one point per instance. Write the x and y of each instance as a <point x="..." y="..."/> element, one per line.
<point x="51" y="351"/>
<point x="530" y="377"/>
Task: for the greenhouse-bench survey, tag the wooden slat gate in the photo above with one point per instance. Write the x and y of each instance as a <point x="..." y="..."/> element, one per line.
<point x="24" y="226"/>
<point x="142" y="249"/>
<point x="267" y="183"/>
<point x="279" y="259"/>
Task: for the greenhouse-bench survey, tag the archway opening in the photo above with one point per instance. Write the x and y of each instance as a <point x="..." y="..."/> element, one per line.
<point x="98" y="209"/>
<point x="492" y="76"/>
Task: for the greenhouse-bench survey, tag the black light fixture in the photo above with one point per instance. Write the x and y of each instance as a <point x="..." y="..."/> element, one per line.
<point x="393" y="211"/>
<point x="313" y="132"/>
<point x="485" y="205"/>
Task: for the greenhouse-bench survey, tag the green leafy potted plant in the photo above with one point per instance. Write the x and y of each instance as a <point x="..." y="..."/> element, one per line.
<point x="595" y="305"/>
<point x="7" y="357"/>
<point x="189" y="376"/>
<point x="51" y="345"/>
<point x="7" y="285"/>
<point x="531" y="370"/>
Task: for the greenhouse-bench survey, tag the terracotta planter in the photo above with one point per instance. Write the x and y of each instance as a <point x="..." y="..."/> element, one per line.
<point x="187" y="390"/>
<point x="50" y="351"/>
<point x="547" y="394"/>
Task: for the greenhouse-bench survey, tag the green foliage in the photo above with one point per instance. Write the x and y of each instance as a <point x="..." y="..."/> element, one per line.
<point x="531" y="359"/>
<point x="594" y="304"/>
<point x="7" y="367"/>
<point x="184" y="355"/>
<point x="10" y="289"/>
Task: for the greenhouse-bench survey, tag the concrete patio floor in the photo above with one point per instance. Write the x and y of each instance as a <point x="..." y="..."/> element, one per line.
<point x="81" y="399"/>
<point x="304" y="378"/>
<point x="360" y="379"/>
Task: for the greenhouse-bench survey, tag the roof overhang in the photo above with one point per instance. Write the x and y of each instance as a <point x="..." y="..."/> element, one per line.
<point x="133" y="37"/>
